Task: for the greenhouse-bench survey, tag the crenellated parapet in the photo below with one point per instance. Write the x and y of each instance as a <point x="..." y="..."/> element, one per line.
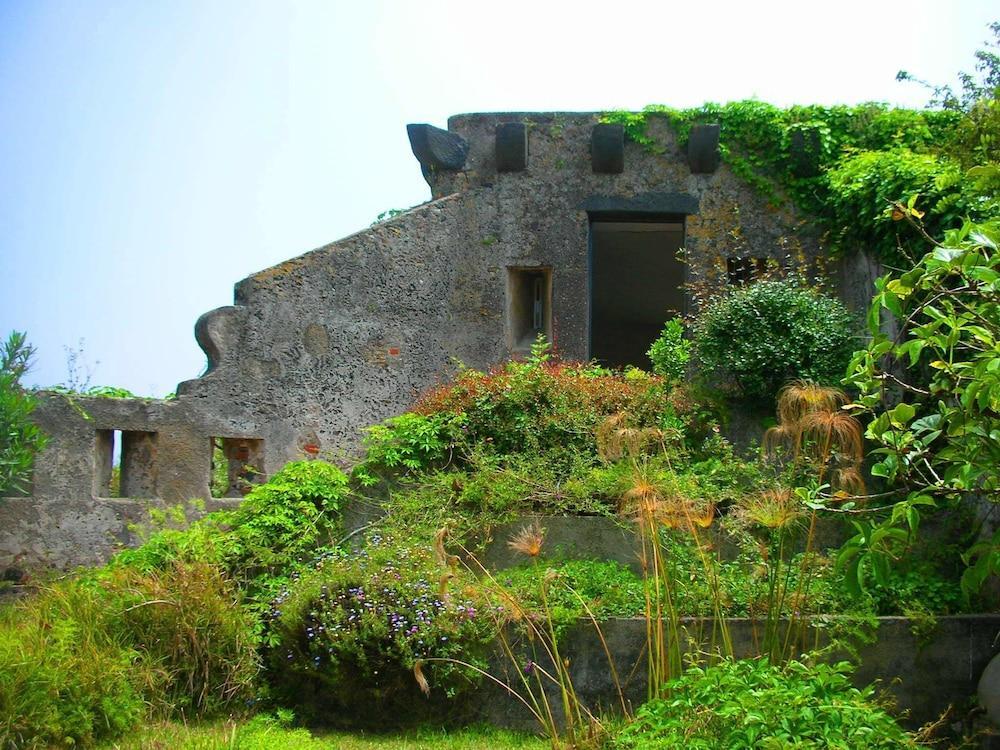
<point x="480" y="147"/>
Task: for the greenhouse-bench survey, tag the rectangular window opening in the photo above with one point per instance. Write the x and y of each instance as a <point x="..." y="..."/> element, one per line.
<point x="107" y="463"/>
<point x="138" y="464"/>
<point x="125" y="463"/>
<point x="237" y="465"/>
<point x="529" y="307"/>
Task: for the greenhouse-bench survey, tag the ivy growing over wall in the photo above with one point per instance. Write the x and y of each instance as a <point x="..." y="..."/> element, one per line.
<point x="843" y="165"/>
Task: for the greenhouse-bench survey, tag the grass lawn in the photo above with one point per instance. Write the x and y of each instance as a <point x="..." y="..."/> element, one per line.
<point x="268" y="735"/>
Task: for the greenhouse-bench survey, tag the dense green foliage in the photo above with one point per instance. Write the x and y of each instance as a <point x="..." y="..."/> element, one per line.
<point x="944" y="437"/>
<point x="868" y="185"/>
<point x="933" y="391"/>
<point x="763" y="335"/>
<point x="172" y="627"/>
<point x="752" y="703"/>
<point x="845" y="166"/>
<point x="20" y="438"/>
<point x="89" y="657"/>
<point x="347" y="627"/>
<point x="279" y="527"/>
<point x="542" y="405"/>
<point x="796" y="152"/>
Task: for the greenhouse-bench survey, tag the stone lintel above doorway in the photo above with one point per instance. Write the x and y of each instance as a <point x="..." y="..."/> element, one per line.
<point x="643" y="203"/>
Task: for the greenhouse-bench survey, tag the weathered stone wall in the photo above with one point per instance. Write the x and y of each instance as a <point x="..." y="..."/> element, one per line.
<point x="71" y="517"/>
<point x="320" y="346"/>
<point x="925" y="674"/>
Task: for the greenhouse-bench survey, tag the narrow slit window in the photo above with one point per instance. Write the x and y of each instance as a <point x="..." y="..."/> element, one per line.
<point x="107" y="463"/>
<point x="529" y="306"/>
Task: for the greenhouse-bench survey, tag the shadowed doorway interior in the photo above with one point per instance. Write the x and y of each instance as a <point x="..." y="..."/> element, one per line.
<point x="636" y="283"/>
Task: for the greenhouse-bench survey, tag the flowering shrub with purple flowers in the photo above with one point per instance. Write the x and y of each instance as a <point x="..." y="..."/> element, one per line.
<point x="358" y="632"/>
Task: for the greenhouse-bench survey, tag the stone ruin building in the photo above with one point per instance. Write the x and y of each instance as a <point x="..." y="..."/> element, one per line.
<point x="538" y="223"/>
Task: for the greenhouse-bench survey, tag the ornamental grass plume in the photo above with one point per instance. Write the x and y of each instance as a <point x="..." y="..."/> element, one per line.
<point x="772" y="509"/>
<point x="797" y="401"/>
<point x="802" y="397"/>
<point x="814" y="432"/>
<point x="836" y="432"/>
<point x="529" y="540"/>
<point x="813" y="426"/>
<point x="617" y="440"/>
<point x="660" y="504"/>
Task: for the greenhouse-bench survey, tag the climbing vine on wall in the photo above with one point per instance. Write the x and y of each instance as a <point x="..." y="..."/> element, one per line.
<point x="842" y="165"/>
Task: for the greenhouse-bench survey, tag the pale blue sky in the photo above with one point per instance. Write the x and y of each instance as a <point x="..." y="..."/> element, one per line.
<point x="154" y="153"/>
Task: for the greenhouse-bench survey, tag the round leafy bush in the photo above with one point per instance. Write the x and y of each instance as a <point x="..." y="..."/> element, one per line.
<point x="752" y="703"/>
<point x="766" y="334"/>
<point x="354" y="637"/>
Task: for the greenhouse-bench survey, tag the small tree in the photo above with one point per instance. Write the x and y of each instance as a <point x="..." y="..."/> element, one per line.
<point x="20" y="438"/>
<point x="671" y="351"/>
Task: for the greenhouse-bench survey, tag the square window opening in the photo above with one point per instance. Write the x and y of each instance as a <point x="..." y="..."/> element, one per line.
<point x="237" y="466"/>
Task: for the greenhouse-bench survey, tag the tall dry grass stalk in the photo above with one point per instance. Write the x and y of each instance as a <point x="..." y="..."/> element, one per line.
<point x="567" y="722"/>
<point x="814" y="433"/>
<point x="659" y="505"/>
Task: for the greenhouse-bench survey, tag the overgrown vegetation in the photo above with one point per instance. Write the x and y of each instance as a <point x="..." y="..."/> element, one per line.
<point x="933" y="391"/>
<point x="846" y="165"/>
<point x="92" y="656"/>
<point x="358" y="637"/>
<point x="752" y="703"/>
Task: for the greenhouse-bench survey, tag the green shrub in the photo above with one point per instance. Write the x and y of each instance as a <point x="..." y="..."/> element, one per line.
<point x="89" y="657"/>
<point x="753" y="704"/>
<point x="20" y="439"/>
<point x="409" y="442"/>
<point x="864" y="186"/>
<point x="766" y="334"/>
<point x="279" y="525"/>
<point x="66" y="677"/>
<point x="351" y="634"/>
<point x="542" y="405"/>
<point x="189" y="627"/>
<point x="670" y="352"/>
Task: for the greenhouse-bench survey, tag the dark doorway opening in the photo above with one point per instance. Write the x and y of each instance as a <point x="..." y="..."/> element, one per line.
<point x="636" y="283"/>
